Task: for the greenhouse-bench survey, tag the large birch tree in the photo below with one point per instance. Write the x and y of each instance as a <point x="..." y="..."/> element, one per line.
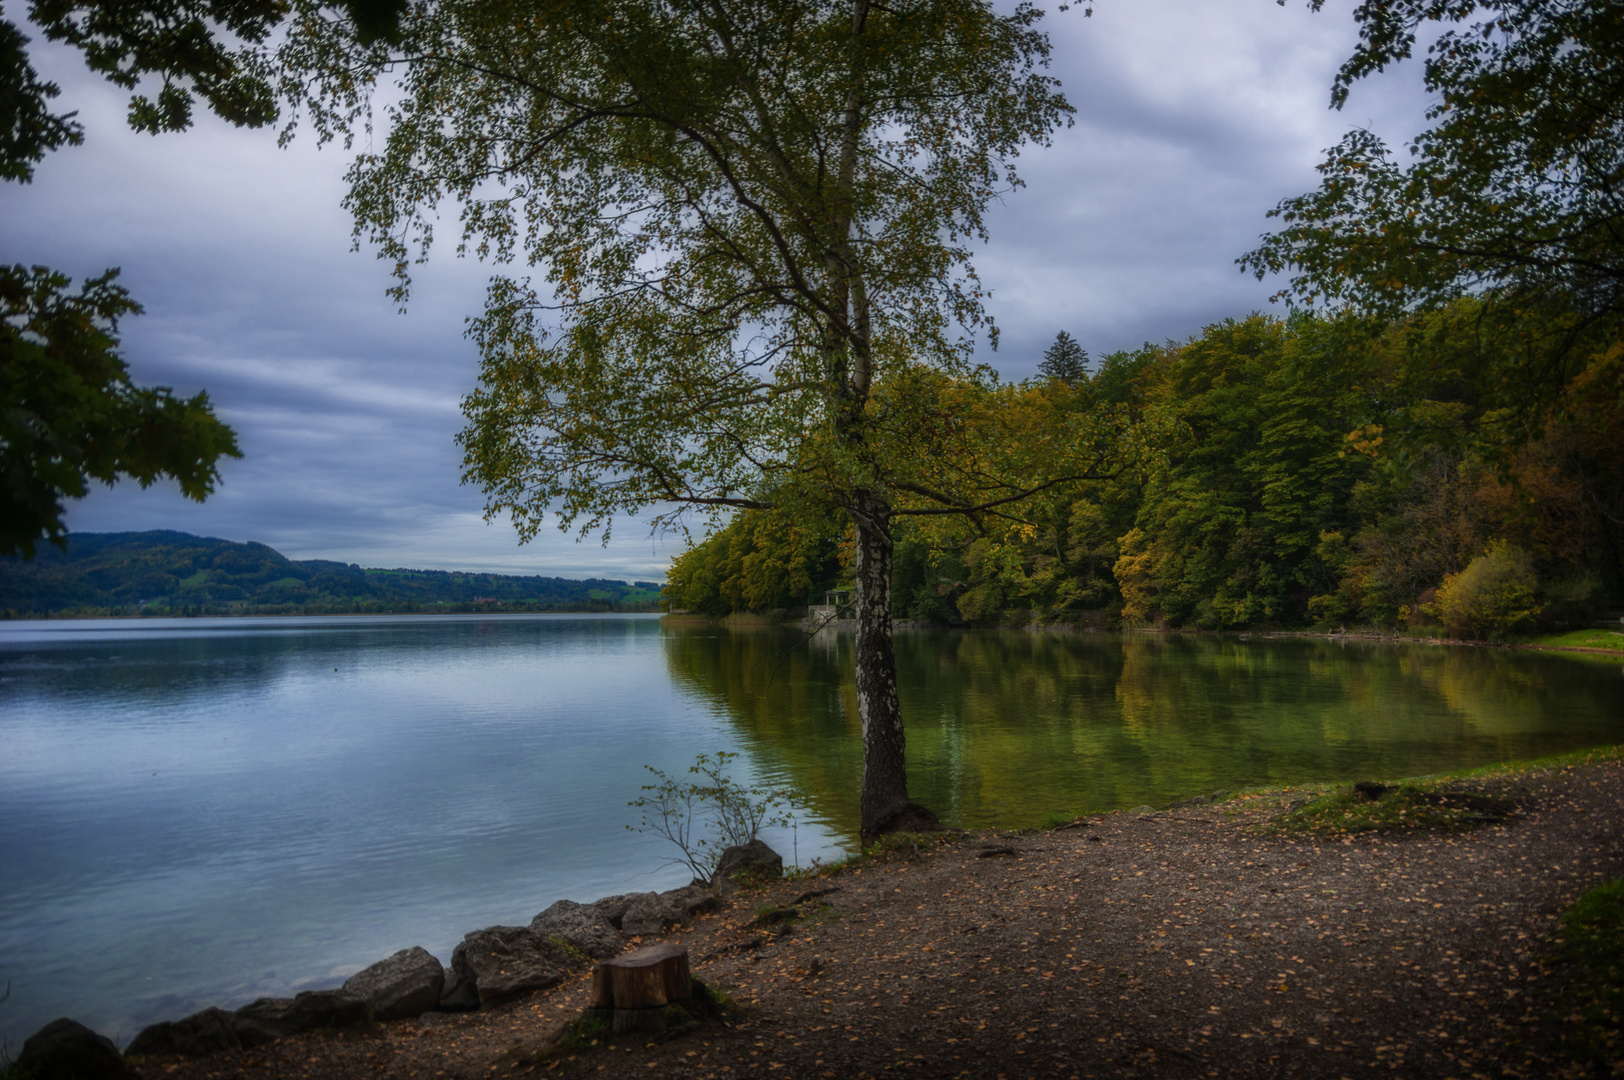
<point x="742" y="234"/>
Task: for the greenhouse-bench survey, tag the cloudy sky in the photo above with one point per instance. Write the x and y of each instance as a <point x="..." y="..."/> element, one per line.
<point x="1194" y="117"/>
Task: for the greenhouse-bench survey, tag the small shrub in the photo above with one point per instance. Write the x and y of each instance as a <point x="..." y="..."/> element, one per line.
<point x="1493" y="596"/>
<point x="706" y="817"/>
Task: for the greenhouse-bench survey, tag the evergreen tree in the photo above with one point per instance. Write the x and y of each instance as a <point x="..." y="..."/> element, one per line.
<point x="1064" y="360"/>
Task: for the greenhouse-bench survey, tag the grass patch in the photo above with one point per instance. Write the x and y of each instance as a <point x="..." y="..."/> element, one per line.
<point x="1439" y="806"/>
<point x="914" y="843"/>
<point x="1450" y="801"/>
<point x="1588" y="970"/>
<point x="1593" y="638"/>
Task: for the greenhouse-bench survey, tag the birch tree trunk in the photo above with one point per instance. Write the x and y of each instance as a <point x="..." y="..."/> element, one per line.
<point x="885" y="804"/>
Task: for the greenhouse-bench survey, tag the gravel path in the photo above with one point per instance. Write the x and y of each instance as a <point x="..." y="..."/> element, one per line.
<point x="1181" y="943"/>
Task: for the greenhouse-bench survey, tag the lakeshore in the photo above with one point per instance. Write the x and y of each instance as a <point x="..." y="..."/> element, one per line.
<point x="1189" y="941"/>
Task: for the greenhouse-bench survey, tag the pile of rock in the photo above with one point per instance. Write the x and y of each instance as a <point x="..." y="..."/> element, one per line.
<point x="489" y="966"/>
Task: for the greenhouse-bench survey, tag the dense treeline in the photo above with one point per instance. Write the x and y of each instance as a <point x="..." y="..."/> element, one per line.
<point x="174" y="573"/>
<point x="1286" y="473"/>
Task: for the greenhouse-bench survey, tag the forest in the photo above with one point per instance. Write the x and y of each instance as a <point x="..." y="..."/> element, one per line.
<point x="175" y="573"/>
<point x="1305" y="472"/>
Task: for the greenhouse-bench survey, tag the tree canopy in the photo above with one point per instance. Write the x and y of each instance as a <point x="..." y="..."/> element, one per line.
<point x="750" y="223"/>
<point x="1513" y="195"/>
<point x="69" y="413"/>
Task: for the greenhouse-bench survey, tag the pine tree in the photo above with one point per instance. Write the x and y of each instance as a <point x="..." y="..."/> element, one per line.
<point x="1064" y="360"/>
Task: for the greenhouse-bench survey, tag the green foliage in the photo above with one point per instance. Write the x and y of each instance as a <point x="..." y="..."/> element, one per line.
<point x="676" y="174"/>
<point x="706" y="817"/>
<point x="1065" y="360"/>
<point x="69" y="413"/>
<point x="1285" y="473"/>
<point x="1587" y="969"/>
<point x="1230" y="532"/>
<point x="1493" y="596"/>
<point x="1511" y="195"/>
<point x="28" y="128"/>
<point x="762" y="560"/>
<point x="170" y="573"/>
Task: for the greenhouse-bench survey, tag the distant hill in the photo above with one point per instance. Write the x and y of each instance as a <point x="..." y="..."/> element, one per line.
<point x="175" y="573"/>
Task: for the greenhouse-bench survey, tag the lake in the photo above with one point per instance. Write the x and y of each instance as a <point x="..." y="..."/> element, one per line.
<point x="203" y="811"/>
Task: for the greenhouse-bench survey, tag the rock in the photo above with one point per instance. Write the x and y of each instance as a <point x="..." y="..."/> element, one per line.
<point x="584" y="927"/>
<point x="460" y="995"/>
<point x="67" y="1050"/>
<point x="651" y="913"/>
<point x="206" y="1032"/>
<point x="261" y="1021"/>
<point x="1143" y="808"/>
<point x="689" y="901"/>
<point x="408" y="983"/>
<point x="504" y="962"/>
<point x="614" y="908"/>
<point x="752" y="860"/>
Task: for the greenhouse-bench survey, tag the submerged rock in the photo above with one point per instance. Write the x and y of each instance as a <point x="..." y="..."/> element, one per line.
<point x="408" y="983"/>
<point x="582" y="926"/>
<point x="65" y="1049"/>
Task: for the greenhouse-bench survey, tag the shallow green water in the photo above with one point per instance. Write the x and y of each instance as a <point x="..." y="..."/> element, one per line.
<point x="1006" y="727"/>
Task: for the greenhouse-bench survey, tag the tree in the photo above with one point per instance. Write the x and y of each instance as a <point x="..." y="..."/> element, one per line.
<point x="1513" y="195"/>
<point x="69" y="414"/>
<point x="1064" y="360"/>
<point x="750" y="222"/>
<point x="68" y="411"/>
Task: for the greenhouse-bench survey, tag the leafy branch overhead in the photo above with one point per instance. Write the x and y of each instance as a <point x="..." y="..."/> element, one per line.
<point x="69" y="413"/>
<point x="1512" y="194"/>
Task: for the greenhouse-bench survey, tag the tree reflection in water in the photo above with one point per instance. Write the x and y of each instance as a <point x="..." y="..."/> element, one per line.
<point x="1006" y="727"/>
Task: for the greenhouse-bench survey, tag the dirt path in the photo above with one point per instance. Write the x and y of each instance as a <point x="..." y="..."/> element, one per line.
<point x="1182" y="943"/>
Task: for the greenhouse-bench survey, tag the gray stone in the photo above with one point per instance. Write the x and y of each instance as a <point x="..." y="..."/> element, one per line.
<point x="505" y="962"/>
<point x="408" y="983"/>
<point x="690" y="900"/>
<point x="584" y="927"/>
<point x="614" y="908"/>
<point x="752" y="860"/>
<point x="460" y="995"/>
<point x="271" y="1018"/>
<point x="206" y="1032"/>
<point x="652" y="913"/>
<point x="67" y="1050"/>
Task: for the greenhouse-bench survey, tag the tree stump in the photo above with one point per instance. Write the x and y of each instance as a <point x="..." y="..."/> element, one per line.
<point x="639" y="985"/>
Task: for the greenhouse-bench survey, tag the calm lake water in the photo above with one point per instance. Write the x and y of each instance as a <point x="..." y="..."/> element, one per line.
<point x="198" y="812"/>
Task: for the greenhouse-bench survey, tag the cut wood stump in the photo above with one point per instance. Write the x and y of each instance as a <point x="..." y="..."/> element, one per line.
<point x="640" y="984"/>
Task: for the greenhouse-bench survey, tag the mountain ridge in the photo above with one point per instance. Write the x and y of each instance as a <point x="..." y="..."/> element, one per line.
<point x="167" y="572"/>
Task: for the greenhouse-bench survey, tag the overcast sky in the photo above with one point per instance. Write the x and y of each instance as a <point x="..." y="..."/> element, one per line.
<point x="1194" y="118"/>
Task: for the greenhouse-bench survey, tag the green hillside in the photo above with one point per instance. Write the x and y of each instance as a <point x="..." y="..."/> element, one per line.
<point x="174" y="573"/>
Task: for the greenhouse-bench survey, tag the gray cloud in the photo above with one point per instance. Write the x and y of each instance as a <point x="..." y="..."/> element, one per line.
<point x="1192" y="121"/>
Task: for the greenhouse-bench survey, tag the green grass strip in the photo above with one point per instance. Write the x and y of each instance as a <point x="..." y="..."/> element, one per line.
<point x="1587" y="970"/>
